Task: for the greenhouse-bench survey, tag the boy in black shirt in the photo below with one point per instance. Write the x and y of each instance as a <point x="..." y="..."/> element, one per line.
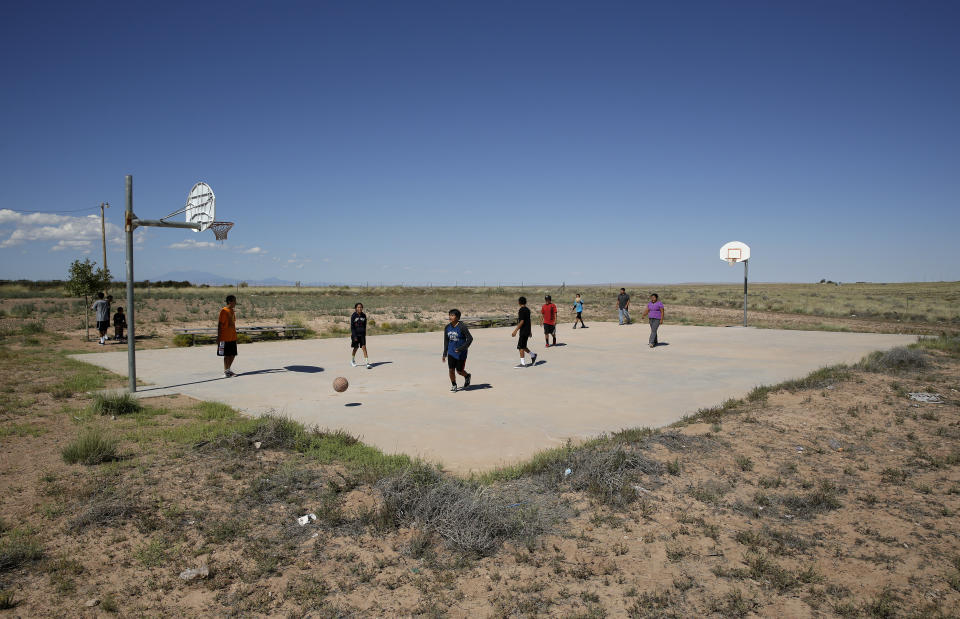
<point x="119" y="324"/>
<point x="523" y="327"/>
<point x="358" y="335"/>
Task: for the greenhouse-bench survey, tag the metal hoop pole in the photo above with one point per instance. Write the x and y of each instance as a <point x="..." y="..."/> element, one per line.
<point x="745" y="292"/>
<point x="131" y="328"/>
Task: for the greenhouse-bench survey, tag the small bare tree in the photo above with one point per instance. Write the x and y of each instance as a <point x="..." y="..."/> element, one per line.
<point x="85" y="281"/>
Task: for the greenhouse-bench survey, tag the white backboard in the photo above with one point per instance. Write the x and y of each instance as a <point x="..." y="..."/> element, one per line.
<point x="201" y="206"/>
<point x="734" y="252"/>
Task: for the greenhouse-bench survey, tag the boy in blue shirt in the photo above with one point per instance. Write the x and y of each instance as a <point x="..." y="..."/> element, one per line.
<point x="578" y="308"/>
<point x="456" y="341"/>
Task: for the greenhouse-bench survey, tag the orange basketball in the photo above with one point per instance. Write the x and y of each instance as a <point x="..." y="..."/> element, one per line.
<point x="340" y="384"/>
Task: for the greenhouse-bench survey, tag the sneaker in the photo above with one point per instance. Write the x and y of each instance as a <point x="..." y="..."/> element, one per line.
<point x="369" y="365"/>
<point x="101" y="341"/>
<point x="466" y="383"/>
<point x="533" y="358"/>
<point x="521" y="365"/>
<point x="453" y="388"/>
<point x="353" y="363"/>
<point x="229" y="373"/>
<point x="584" y="327"/>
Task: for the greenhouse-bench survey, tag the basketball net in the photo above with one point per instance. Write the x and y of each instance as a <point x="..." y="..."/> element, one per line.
<point x="220" y="229"/>
<point x="731" y="261"/>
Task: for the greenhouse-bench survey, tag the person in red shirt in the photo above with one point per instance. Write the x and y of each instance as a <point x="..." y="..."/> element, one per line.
<point x="549" y="313"/>
<point x="227" y="336"/>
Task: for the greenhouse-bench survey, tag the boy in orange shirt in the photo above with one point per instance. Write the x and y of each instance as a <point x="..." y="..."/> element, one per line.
<point x="227" y="336"/>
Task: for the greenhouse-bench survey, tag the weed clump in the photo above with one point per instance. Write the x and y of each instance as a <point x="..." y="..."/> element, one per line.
<point x="7" y="601"/>
<point x="896" y="360"/>
<point x="271" y="432"/>
<point x="608" y="472"/>
<point x="943" y="343"/>
<point x="90" y="447"/>
<point x="16" y="548"/>
<point x="106" y="509"/>
<point x="33" y="328"/>
<point x="823" y="498"/>
<point x="469" y="518"/>
<point x="115" y="404"/>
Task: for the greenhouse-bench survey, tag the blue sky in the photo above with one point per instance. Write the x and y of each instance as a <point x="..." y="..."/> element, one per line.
<point x="483" y="142"/>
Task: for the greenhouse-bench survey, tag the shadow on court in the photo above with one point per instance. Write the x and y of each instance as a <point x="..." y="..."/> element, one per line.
<point x="196" y="382"/>
<point x="306" y="369"/>
<point x="478" y="386"/>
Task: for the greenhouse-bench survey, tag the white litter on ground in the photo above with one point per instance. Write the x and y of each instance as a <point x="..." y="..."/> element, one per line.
<point x="929" y="398"/>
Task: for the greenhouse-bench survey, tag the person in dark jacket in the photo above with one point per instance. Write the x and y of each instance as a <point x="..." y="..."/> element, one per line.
<point x="456" y="341"/>
<point x="358" y="335"/>
<point x="119" y="324"/>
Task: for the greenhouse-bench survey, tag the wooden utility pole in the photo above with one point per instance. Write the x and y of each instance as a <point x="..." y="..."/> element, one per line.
<point x="103" y="234"/>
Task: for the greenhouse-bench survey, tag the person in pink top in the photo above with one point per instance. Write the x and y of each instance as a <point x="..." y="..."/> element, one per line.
<point x="657" y="312"/>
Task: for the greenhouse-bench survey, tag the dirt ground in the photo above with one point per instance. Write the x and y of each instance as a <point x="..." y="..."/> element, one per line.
<point x="835" y="497"/>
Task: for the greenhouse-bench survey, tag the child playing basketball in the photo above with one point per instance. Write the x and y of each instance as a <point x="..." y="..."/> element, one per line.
<point x="657" y="313"/>
<point x="549" y="313"/>
<point x="358" y="335"/>
<point x="456" y="341"/>
<point x="227" y="336"/>
<point x="524" y="328"/>
<point x="578" y="308"/>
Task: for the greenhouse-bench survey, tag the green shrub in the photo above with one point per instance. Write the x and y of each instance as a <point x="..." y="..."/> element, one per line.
<point x="90" y="447"/>
<point x="6" y="600"/>
<point x="183" y="340"/>
<point x="31" y="328"/>
<point x="115" y="404"/>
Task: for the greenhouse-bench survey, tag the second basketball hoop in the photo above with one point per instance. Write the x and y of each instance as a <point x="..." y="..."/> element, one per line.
<point x="734" y="252"/>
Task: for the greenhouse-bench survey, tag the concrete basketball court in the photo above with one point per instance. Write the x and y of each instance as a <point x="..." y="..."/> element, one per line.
<point x="601" y="379"/>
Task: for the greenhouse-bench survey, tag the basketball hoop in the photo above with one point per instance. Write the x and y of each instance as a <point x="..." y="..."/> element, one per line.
<point x="220" y="229"/>
<point x="734" y="252"/>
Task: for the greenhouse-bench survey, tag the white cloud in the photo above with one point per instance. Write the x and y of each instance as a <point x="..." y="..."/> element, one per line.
<point x="255" y="250"/>
<point x="64" y="231"/>
<point x="75" y="244"/>
<point x="298" y="261"/>
<point x="194" y="244"/>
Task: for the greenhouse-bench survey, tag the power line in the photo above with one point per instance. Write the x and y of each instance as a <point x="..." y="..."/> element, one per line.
<point x="17" y="210"/>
